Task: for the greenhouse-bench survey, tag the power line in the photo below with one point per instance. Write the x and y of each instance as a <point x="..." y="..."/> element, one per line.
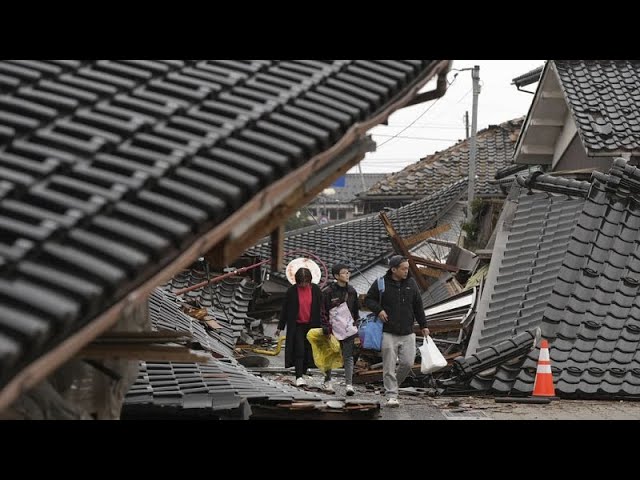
<point x="418" y="138"/>
<point x="419" y="116"/>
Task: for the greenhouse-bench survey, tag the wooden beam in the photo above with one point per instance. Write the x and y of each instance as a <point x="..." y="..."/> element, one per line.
<point x="277" y="249"/>
<point x="418" y="237"/>
<point x="434" y="264"/>
<point x="160" y="336"/>
<point x="444" y="243"/>
<point x="430" y="272"/>
<point x="397" y="241"/>
<point x="152" y="353"/>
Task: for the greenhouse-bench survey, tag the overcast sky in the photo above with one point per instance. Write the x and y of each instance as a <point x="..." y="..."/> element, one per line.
<point x="438" y="124"/>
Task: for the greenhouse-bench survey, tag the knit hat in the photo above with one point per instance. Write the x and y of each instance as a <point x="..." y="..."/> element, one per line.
<point x="396" y="260"/>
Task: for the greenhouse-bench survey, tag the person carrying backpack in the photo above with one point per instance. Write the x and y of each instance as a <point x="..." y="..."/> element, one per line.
<point x="399" y="306"/>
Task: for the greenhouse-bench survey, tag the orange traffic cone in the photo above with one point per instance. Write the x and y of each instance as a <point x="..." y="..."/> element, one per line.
<point x="543" y="385"/>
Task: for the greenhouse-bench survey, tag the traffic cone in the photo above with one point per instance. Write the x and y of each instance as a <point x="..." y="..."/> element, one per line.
<point x="543" y="385"/>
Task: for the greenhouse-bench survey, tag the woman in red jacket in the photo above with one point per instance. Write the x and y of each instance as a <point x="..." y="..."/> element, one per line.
<point x="301" y="311"/>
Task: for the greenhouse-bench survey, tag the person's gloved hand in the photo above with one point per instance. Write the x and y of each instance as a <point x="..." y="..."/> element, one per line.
<point x="326" y="330"/>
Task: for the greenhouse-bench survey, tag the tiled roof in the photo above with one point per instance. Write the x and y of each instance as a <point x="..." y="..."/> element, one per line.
<point x="211" y="389"/>
<point x="352" y="186"/>
<point x="592" y="320"/>
<point x="604" y="98"/>
<point x="165" y="313"/>
<point x="533" y="233"/>
<point x="226" y="301"/>
<point x="362" y="280"/>
<point x="495" y="146"/>
<point x="110" y="169"/>
<point x="483" y="362"/>
<point x="363" y="242"/>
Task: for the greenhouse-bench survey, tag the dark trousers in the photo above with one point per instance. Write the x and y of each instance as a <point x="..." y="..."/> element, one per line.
<point x="303" y="355"/>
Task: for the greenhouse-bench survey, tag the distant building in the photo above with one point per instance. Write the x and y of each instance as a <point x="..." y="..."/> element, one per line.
<point x="495" y="146"/>
<point x="336" y="202"/>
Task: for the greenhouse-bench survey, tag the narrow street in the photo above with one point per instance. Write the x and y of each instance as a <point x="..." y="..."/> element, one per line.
<point x="480" y="407"/>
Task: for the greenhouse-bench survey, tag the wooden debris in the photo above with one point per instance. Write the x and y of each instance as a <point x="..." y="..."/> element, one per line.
<point x="151" y="352"/>
<point x="159" y="336"/>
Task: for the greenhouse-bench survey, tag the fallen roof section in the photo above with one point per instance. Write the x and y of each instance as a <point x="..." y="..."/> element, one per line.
<point x="592" y="320"/>
<point x="116" y="175"/>
<point x="532" y="237"/>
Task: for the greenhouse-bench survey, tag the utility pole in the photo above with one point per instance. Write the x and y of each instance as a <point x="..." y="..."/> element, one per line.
<point x="364" y="186"/>
<point x="466" y="124"/>
<point x="475" y="76"/>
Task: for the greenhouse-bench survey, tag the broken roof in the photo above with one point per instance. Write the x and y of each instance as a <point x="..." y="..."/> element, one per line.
<point x="592" y="320"/>
<point x="115" y="175"/>
<point x="495" y="146"/>
<point x="532" y="237"/>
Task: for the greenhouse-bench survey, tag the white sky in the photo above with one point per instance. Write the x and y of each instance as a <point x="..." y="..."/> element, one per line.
<point x="443" y="123"/>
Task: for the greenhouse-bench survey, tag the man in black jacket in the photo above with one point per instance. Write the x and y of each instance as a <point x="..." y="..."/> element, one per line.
<point x="399" y="307"/>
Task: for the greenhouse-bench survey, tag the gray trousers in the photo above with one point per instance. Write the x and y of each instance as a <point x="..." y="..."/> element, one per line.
<point x="347" y="348"/>
<point x="403" y="349"/>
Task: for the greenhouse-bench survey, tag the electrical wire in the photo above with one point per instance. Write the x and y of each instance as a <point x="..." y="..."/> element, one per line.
<point x="418" y="138"/>
<point x="419" y="116"/>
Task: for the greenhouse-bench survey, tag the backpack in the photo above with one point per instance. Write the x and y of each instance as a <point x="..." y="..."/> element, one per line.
<point x="370" y="331"/>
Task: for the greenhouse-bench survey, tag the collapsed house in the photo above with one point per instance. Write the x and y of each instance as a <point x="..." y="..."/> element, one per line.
<point x="115" y="176"/>
<point x="564" y="259"/>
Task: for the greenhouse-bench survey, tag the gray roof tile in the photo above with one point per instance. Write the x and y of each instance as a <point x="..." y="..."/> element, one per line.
<point x="608" y="91"/>
<point x="430" y="174"/>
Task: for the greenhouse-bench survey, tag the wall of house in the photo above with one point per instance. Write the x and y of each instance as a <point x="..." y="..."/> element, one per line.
<point x="575" y="158"/>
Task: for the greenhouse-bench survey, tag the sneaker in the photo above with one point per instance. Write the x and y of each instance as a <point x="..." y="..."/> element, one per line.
<point x="350" y="391"/>
<point x="327" y="387"/>
<point x="300" y="382"/>
<point x="393" y="403"/>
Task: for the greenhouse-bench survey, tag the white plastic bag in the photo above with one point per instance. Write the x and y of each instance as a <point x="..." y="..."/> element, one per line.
<point x="432" y="359"/>
<point x="342" y="322"/>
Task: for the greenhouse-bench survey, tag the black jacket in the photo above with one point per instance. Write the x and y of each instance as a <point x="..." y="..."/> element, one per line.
<point x="289" y="314"/>
<point x="332" y="296"/>
<point x="402" y="302"/>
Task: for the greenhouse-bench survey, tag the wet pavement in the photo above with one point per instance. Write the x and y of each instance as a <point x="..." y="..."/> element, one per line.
<point x="479" y="407"/>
